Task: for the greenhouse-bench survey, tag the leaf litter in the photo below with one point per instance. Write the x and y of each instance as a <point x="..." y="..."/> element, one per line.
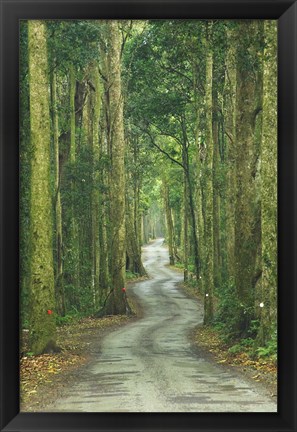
<point x="262" y="370"/>
<point x="42" y="376"/>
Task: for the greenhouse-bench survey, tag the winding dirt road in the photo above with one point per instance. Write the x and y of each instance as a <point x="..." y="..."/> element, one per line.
<point x="149" y="365"/>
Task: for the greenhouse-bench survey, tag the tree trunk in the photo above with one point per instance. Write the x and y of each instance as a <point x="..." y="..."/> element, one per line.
<point x="193" y="222"/>
<point x="117" y="303"/>
<point x="59" y="283"/>
<point x="217" y="264"/>
<point x="74" y="236"/>
<point x="208" y="244"/>
<point x="248" y="139"/>
<point x="169" y="222"/>
<point x="190" y="204"/>
<point x="145" y="235"/>
<point x="103" y="204"/>
<point x="198" y="184"/>
<point x="96" y="110"/>
<point x="133" y="258"/>
<point x="93" y="117"/>
<point x="229" y="116"/>
<point x="268" y="294"/>
<point x="185" y="230"/>
<point x="24" y="181"/>
<point x="42" y="290"/>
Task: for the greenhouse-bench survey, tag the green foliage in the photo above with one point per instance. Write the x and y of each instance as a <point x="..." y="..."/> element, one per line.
<point x="179" y="265"/>
<point x="72" y="316"/>
<point x="227" y="312"/>
<point x="73" y="42"/>
<point x="130" y="275"/>
<point x="191" y="266"/>
<point x="235" y="349"/>
<point x="253" y="328"/>
<point x="245" y="345"/>
<point x="270" y="349"/>
<point x="25" y="322"/>
<point x="249" y="346"/>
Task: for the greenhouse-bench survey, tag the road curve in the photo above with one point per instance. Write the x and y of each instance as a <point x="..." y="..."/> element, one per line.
<point x="149" y="365"/>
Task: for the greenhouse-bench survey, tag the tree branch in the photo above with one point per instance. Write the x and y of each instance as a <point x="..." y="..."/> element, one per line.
<point x="163" y="151"/>
<point x="168" y="134"/>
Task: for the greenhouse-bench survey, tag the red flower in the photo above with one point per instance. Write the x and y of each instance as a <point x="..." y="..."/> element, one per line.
<point x="124" y="289"/>
<point x="49" y="312"/>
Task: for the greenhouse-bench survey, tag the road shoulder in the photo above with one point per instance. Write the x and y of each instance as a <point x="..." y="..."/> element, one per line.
<point x="207" y="342"/>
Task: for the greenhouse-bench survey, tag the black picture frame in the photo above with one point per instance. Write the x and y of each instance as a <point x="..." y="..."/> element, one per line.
<point x="285" y="11"/>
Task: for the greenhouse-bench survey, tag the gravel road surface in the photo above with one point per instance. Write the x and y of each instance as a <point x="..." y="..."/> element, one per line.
<point x="150" y="366"/>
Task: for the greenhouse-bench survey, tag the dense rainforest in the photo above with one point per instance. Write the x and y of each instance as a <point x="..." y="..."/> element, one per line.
<point x="132" y="130"/>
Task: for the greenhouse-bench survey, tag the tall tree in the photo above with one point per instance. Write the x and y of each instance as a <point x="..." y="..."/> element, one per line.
<point x="59" y="283"/>
<point x="249" y="87"/>
<point x="95" y="105"/>
<point x="229" y="129"/>
<point x="73" y="245"/>
<point x="208" y="225"/>
<point x="116" y="141"/>
<point x="134" y="173"/>
<point x="42" y="291"/>
<point x="267" y="297"/>
<point x="169" y="222"/>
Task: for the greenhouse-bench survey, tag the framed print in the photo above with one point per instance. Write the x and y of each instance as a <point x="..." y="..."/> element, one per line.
<point x="148" y="240"/>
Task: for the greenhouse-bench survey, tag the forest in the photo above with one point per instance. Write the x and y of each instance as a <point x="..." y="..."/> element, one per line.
<point x="134" y="130"/>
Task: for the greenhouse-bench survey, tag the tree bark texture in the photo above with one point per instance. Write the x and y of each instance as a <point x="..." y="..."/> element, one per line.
<point x="42" y="291"/>
<point x="169" y="222"/>
<point x="74" y="238"/>
<point x="59" y="283"/>
<point x="208" y="244"/>
<point x="248" y="141"/>
<point x="117" y="303"/>
<point x="268" y="293"/>
<point x="230" y="132"/>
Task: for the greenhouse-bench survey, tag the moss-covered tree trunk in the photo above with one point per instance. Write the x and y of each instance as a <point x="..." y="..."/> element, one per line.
<point x="249" y="79"/>
<point x="198" y="171"/>
<point x="136" y="194"/>
<point x="176" y="223"/>
<point x="138" y="217"/>
<point x="133" y="257"/>
<point x="102" y="218"/>
<point x="74" y="232"/>
<point x="217" y="262"/>
<point x="24" y="191"/>
<point x="133" y="226"/>
<point x="193" y="222"/>
<point x="169" y="222"/>
<point x="145" y="230"/>
<point x="229" y="116"/>
<point x="208" y="243"/>
<point x="42" y="288"/>
<point x="59" y="282"/>
<point x="190" y="196"/>
<point x="96" y="105"/>
<point x="185" y="229"/>
<point x="117" y="303"/>
<point x="91" y="119"/>
<point x="103" y="176"/>
<point x="267" y="297"/>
